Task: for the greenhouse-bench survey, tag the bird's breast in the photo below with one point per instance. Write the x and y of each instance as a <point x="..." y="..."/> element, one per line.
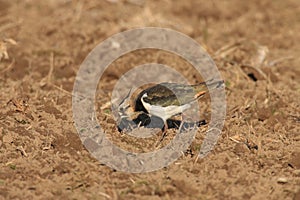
<point x="164" y="112"/>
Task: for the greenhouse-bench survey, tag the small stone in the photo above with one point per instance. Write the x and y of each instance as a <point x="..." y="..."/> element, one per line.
<point x="295" y="159"/>
<point x="7" y="139"/>
<point x="282" y="180"/>
<point x="240" y="149"/>
<point x="111" y="121"/>
<point x="297" y="172"/>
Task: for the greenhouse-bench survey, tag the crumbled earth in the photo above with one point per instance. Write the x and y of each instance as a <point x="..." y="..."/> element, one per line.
<point x="255" y="45"/>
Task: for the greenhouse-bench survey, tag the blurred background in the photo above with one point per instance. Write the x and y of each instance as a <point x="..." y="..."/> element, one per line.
<point x="255" y="45"/>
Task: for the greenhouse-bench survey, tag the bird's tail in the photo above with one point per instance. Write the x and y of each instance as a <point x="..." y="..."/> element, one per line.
<point x="202" y="88"/>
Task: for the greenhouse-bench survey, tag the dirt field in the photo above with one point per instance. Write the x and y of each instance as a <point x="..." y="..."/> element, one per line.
<point x="255" y="45"/>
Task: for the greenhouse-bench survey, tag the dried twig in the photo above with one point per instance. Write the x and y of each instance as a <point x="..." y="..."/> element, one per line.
<point x="47" y="80"/>
<point x="61" y="89"/>
<point x="9" y="66"/>
<point x="21" y="149"/>
<point x="10" y="25"/>
<point x="105" y="195"/>
<point x="227" y="49"/>
<point x="279" y="60"/>
<point x="3" y="47"/>
<point x="51" y="68"/>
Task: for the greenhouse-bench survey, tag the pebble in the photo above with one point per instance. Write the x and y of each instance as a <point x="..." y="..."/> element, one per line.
<point x="7" y="139"/>
<point x="297" y="172"/>
<point x="282" y="180"/>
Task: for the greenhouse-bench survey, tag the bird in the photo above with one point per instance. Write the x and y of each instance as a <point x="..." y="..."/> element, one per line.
<point x="166" y="100"/>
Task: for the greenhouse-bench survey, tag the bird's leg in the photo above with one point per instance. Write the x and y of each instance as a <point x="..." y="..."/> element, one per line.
<point x="164" y="133"/>
<point x="181" y="123"/>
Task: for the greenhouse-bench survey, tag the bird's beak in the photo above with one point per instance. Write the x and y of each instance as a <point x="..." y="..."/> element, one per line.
<point x="126" y="99"/>
<point x="124" y="108"/>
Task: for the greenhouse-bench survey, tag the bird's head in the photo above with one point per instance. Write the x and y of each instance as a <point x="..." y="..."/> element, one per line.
<point x="128" y="116"/>
<point x="126" y="108"/>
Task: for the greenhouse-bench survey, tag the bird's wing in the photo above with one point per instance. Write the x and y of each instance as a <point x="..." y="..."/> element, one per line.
<point x="166" y="94"/>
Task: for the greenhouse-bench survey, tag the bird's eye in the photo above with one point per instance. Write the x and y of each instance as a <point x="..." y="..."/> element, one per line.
<point x="123" y="109"/>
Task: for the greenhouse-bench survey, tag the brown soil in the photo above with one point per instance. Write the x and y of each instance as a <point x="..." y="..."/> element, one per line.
<point x="256" y="47"/>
